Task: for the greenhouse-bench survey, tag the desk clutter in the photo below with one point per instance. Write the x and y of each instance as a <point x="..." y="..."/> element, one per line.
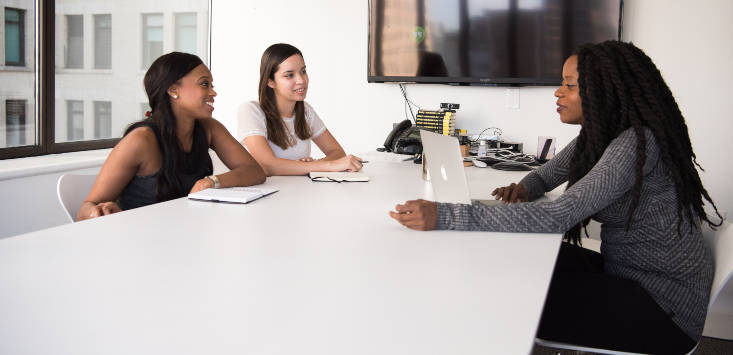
<point x="384" y="157"/>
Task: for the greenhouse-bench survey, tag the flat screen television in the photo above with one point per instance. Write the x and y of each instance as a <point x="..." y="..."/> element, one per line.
<point x="483" y="42"/>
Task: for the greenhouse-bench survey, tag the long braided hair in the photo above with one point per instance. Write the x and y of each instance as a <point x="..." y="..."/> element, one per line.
<point x="621" y="88"/>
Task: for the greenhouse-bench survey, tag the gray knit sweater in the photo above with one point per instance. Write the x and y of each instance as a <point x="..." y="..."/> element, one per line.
<point x="677" y="272"/>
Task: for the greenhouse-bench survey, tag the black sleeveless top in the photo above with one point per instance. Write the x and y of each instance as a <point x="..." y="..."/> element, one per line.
<point x="141" y="190"/>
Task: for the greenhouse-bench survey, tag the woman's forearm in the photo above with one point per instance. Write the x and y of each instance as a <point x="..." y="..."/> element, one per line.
<point x="85" y="211"/>
<point x="334" y="155"/>
<point x="280" y="166"/>
<point x="246" y="175"/>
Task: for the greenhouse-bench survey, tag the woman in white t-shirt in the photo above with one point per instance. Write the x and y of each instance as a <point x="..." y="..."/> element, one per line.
<point x="279" y="128"/>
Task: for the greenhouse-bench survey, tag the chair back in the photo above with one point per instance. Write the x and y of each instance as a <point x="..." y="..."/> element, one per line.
<point x="719" y="323"/>
<point x="72" y="190"/>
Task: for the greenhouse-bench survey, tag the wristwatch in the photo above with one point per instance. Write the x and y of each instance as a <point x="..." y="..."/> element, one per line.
<point x="215" y="180"/>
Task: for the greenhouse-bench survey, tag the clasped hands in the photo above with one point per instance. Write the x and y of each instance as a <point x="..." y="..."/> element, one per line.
<point x="422" y="215"/>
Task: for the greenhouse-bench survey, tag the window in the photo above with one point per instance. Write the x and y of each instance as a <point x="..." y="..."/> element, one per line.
<point x="186" y="32"/>
<point x="102" y="41"/>
<point x="15" y="123"/>
<point x="74" y="120"/>
<point x="102" y="119"/>
<point x="66" y="104"/>
<point x="152" y="38"/>
<point x="18" y="77"/>
<point x="14" y="37"/>
<point x="74" y="41"/>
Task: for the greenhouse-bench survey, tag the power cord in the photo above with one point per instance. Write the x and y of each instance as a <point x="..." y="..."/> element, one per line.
<point x="408" y="104"/>
<point x="496" y="129"/>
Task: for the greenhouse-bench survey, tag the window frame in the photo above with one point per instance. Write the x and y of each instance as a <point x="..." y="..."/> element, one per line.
<point x="44" y="44"/>
<point x="146" y="60"/>
<point x="100" y="111"/>
<point x="80" y="55"/>
<point x="97" y="18"/>
<point x="70" y="121"/>
<point x="21" y="36"/>
<point x="178" y="27"/>
<point x="24" y="115"/>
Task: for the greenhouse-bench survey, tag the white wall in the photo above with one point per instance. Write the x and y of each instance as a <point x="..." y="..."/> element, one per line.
<point x="332" y="34"/>
<point x="31" y="203"/>
<point x="690" y="42"/>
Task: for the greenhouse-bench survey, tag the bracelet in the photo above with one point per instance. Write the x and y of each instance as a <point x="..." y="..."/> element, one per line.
<point x="215" y="180"/>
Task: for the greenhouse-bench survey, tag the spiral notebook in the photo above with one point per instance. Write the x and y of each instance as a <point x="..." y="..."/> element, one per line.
<point x="231" y="194"/>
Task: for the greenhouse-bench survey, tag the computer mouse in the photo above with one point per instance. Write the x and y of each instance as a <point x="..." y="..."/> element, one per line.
<point x="479" y="164"/>
<point x="511" y="166"/>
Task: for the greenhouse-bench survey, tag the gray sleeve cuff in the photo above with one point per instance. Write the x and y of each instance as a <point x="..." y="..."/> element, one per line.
<point x="533" y="185"/>
<point x="445" y="215"/>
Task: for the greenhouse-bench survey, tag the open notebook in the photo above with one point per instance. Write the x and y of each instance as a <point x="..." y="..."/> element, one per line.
<point x="231" y="194"/>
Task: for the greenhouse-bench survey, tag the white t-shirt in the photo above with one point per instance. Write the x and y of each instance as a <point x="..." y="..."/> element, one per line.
<point x="251" y="122"/>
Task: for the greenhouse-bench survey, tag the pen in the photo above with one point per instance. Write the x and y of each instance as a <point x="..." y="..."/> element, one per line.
<point x="363" y="161"/>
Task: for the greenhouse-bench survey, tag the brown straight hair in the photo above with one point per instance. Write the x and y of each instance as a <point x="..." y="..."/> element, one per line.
<point x="276" y="131"/>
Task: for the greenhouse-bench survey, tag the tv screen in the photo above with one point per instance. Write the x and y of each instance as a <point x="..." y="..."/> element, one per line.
<point x="483" y="42"/>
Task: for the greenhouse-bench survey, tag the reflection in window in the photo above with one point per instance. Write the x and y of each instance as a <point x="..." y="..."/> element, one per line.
<point x="152" y="38"/>
<point x="15" y="124"/>
<point x="103" y="41"/>
<point x="121" y="38"/>
<point x="74" y="120"/>
<point x="74" y="41"/>
<point x="102" y="119"/>
<point x="186" y="32"/>
<point x="17" y="75"/>
<point x="14" y="37"/>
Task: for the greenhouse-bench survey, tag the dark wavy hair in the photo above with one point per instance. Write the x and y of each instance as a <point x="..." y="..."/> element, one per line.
<point x="276" y="131"/>
<point x="165" y="71"/>
<point x="621" y="88"/>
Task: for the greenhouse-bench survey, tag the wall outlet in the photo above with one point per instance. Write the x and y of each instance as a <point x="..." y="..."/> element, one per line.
<point x="512" y="98"/>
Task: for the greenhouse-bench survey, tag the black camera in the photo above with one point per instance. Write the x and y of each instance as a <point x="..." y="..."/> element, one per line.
<point x="450" y="106"/>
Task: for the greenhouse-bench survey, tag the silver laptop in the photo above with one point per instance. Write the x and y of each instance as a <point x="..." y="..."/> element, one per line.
<point x="445" y="165"/>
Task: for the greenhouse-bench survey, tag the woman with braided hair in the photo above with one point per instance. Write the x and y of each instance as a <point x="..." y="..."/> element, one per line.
<point x="631" y="168"/>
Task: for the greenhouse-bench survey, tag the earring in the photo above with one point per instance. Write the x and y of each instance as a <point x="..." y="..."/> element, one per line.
<point x="175" y="96"/>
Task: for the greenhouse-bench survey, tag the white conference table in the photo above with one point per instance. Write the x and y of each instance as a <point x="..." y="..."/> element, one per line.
<point x="316" y="268"/>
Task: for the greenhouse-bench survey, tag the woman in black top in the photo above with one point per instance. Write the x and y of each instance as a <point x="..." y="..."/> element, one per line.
<point x="166" y="155"/>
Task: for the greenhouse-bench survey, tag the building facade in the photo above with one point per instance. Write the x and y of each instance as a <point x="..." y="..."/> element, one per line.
<point x="102" y="51"/>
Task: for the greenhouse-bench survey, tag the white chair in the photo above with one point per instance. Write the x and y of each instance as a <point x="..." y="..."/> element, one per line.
<point x="719" y="323"/>
<point x="720" y="309"/>
<point x="592" y="244"/>
<point x="72" y="190"/>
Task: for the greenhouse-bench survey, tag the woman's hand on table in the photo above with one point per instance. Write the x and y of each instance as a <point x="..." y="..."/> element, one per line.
<point x="511" y="194"/>
<point x="417" y="214"/>
<point x="348" y="163"/>
<point x="103" y="209"/>
<point x="202" y="184"/>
